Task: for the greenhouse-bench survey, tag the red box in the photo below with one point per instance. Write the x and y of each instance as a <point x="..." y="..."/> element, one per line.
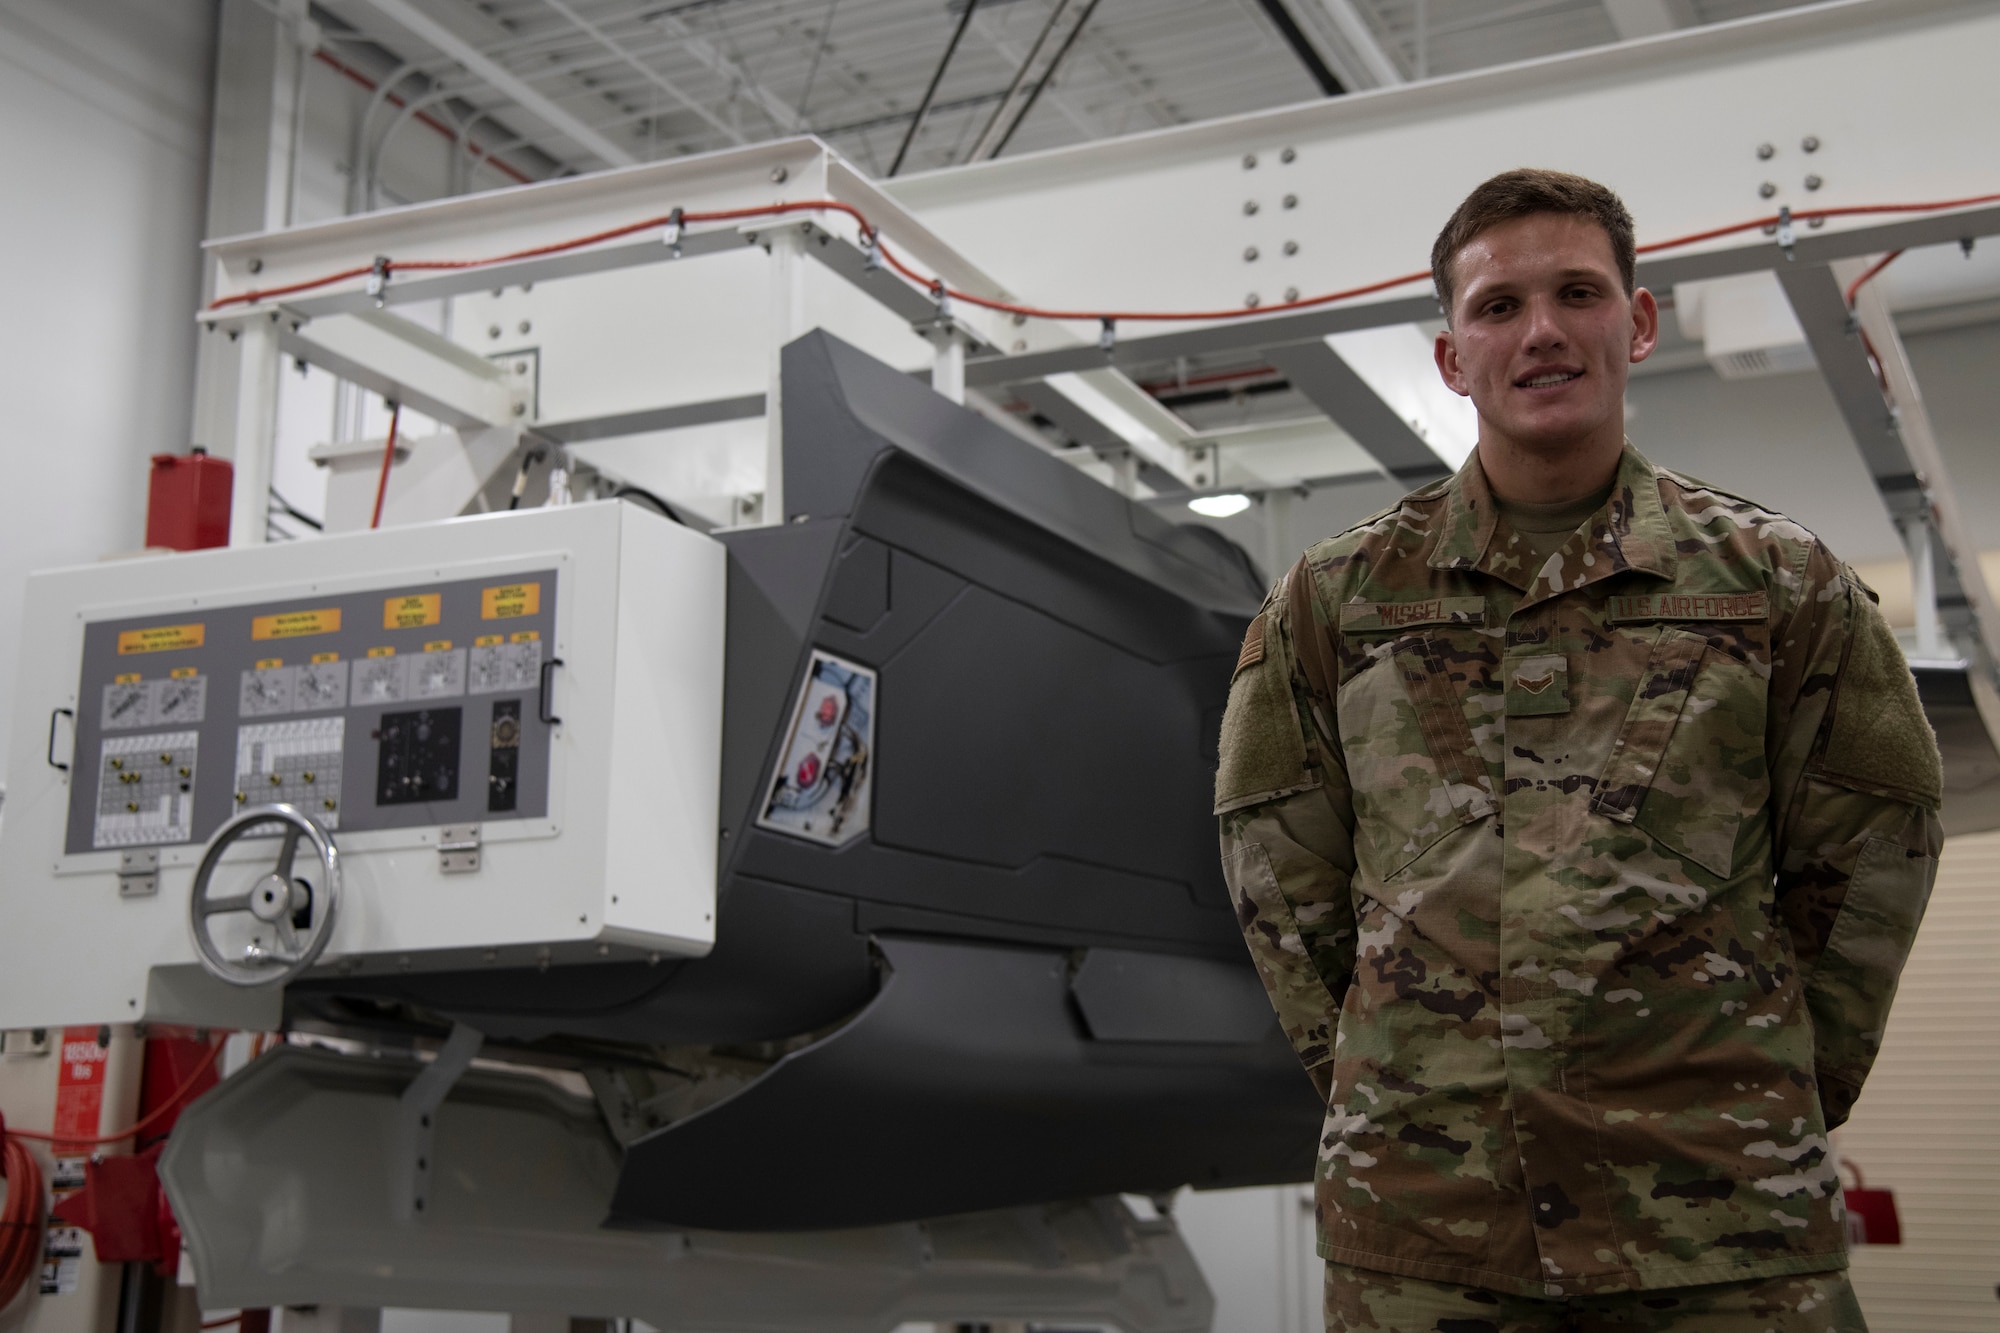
<point x="187" y="502"/>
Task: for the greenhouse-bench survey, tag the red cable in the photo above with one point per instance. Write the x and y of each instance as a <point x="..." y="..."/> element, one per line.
<point x="1854" y="288"/>
<point x="388" y="457"/>
<point x="138" y="1126"/>
<point x="21" y="1219"/>
<point x="871" y="235"/>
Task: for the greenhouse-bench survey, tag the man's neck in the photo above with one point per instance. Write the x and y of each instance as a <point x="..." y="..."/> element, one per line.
<point x="1548" y="475"/>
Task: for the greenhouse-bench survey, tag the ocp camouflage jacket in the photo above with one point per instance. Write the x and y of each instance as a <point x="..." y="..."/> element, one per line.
<point x="1582" y="893"/>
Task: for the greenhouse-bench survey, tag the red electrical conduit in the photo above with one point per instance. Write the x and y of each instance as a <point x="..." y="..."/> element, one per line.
<point x="871" y="236"/>
<point x="21" y="1218"/>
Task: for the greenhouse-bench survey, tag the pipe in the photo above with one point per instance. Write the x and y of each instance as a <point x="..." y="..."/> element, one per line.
<point x="937" y="77"/>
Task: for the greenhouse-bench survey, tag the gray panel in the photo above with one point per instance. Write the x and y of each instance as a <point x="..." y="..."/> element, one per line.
<point x="967" y="1085"/>
<point x="1131" y="996"/>
<point x="282" y="1176"/>
<point x="235" y="694"/>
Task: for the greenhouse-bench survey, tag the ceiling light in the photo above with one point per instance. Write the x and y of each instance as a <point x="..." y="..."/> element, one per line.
<point x="1220" y="506"/>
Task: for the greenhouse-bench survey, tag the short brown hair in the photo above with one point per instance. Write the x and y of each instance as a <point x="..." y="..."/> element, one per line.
<point x="1523" y="193"/>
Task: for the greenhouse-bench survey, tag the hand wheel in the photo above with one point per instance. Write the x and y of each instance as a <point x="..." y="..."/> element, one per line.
<point x="291" y="917"/>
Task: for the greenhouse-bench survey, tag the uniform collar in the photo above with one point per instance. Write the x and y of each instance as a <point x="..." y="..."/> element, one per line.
<point x="1628" y="532"/>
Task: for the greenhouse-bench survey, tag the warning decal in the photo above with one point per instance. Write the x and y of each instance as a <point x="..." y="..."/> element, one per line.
<point x="161" y="638"/>
<point x="510" y="600"/>
<point x="412" y="612"/>
<point x="294" y="624"/>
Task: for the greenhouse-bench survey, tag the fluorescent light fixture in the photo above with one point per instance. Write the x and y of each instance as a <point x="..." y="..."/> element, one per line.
<point x="1220" y="506"/>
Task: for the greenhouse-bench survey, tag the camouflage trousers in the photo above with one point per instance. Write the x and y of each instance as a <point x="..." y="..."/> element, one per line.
<point x="1360" y="1299"/>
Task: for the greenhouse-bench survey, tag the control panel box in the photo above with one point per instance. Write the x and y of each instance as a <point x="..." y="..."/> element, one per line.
<point x="507" y="727"/>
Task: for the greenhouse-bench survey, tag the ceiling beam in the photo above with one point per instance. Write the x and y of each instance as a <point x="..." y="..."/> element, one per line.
<point x="1354" y="30"/>
<point x="502" y="80"/>
<point x="646" y="72"/>
<point x="1633" y="19"/>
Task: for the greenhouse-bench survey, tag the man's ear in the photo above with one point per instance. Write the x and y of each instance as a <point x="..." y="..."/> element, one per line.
<point x="1645" y="324"/>
<point x="1445" y="349"/>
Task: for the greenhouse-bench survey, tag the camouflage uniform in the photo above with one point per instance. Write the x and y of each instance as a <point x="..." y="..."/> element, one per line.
<point x="1581" y="891"/>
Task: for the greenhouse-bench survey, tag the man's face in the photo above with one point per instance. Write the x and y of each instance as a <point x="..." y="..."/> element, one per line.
<point x="1542" y="334"/>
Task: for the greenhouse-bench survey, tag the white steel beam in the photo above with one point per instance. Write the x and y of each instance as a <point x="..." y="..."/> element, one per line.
<point x="408" y="364"/>
<point x="502" y="80"/>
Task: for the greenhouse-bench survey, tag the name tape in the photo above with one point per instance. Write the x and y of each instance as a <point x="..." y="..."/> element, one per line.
<point x="1356" y="616"/>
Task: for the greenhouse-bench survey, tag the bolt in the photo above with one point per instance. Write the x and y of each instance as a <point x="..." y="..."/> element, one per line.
<point x="1810" y="143"/>
<point x="1291" y="293"/>
<point x="1020" y="345"/>
<point x="1289" y="155"/>
<point x="1815" y="223"/>
<point x="1765" y="152"/>
<point x="520" y="409"/>
<point x="1249" y="254"/>
<point x="1766" y="190"/>
<point x="1252" y="301"/>
<point x="256" y="266"/>
<point x="1291" y="247"/>
<point x="1019" y="320"/>
<point x="525" y="326"/>
<point x="779" y="175"/>
<point x="1249" y="208"/>
<point x="1814" y="182"/>
<point x="493" y="330"/>
<point x="1249" y="161"/>
<point x="520" y="367"/>
<point x="1291" y="201"/>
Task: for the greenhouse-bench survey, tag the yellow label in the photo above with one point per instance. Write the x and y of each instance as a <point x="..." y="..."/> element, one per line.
<point x="510" y="600"/>
<point x="294" y="624"/>
<point x="438" y="646"/>
<point x="129" y="678"/>
<point x="325" y="657"/>
<point x="185" y="673"/>
<point x="413" y="612"/>
<point x="489" y="640"/>
<point x="381" y="652"/>
<point x="161" y="638"/>
<point x="524" y="636"/>
<point x="268" y="663"/>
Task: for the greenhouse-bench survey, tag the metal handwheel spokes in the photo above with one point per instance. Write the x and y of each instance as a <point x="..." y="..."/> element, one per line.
<point x="291" y="915"/>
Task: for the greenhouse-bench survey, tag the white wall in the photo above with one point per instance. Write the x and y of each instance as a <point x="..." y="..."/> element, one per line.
<point x="106" y="107"/>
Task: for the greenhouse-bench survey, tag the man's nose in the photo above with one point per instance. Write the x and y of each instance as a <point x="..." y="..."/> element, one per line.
<point x="1544" y="328"/>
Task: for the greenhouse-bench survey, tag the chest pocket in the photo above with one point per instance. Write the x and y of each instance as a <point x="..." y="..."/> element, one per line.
<point x="1689" y="766"/>
<point x="1414" y="768"/>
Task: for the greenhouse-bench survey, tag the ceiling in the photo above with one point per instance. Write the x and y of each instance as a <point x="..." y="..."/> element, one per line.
<point x="571" y="85"/>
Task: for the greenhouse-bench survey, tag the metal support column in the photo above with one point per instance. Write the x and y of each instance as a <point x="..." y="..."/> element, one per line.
<point x="948" y="368"/>
<point x="255" y="429"/>
<point x="788" y="321"/>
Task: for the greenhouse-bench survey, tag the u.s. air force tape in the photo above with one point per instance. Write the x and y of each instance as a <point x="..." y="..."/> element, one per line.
<point x="1690" y="606"/>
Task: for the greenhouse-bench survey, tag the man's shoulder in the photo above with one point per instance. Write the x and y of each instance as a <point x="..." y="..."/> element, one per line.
<point x="1721" y="514"/>
<point x="1404" y="524"/>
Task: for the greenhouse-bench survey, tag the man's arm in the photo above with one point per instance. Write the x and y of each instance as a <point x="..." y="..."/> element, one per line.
<point x="1856" y="782"/>
<point x="1287" y="830"/>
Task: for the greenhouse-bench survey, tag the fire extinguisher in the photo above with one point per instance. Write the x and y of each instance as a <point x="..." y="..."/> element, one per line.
<point x="1871" y="1214"/>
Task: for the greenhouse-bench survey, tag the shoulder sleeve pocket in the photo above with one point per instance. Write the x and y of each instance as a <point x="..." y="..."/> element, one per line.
<point x="1307" y="1009"/>
<point x="1263" y="748"/>
<point x="1880" y="739"/>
